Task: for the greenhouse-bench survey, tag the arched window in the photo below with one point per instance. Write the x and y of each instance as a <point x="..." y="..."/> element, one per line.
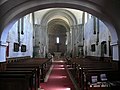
<point x="57" y="40"/>
<point x="94" y="25"/>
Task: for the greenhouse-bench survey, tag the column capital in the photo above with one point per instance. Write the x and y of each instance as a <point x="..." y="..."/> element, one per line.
<point x="115" y="43"/>
<point x="2" y="43"/>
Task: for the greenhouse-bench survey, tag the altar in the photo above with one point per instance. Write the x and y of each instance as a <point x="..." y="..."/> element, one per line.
<point x="57" y="54"/>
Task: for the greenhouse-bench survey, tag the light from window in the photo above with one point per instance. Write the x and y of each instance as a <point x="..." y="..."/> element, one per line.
<point x="57" y="39"/>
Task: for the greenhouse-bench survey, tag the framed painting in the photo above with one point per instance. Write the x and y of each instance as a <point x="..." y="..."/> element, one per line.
<point x="23" y="48"/>
<point x="16" y="47"/>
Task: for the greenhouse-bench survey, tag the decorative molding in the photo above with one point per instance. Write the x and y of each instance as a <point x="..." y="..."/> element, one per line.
<point x="115" y="43"/>
<point x="3" y="43"/>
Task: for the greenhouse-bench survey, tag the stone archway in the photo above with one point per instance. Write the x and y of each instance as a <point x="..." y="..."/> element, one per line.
<point x="57" y="29"/>
<point x="66" y="19"/>
<point x="23" y="7"/>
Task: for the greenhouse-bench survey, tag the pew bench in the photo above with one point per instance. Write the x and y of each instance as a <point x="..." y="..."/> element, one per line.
<point x="11" y="81"/>
<point x="109" y="77"/>
<point x="24" y="66"/>
<point x="80" y="65"/>
<point x="34" y="82"/>
<point x="41" y="65"/>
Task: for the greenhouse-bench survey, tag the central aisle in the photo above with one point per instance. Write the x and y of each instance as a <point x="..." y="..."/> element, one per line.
<point x="58" y="79"/>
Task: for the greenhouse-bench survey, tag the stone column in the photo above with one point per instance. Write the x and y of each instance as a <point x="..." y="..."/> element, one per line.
<point x="44" y="39"/>
<point x="68" y="38"/>
<point x="115" y="51"/>
<point x="76" y="40"/>
<point x="116" y="54"/>
<point x="73" y="39"/>
<point x="3" y="46"/>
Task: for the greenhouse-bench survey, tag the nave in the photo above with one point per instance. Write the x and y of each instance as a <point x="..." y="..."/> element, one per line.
<point x="64" y="74"/>
<point x="58" y="78"/>
<point x="31" y="74"/>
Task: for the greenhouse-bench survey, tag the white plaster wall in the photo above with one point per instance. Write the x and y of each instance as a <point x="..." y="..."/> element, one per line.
<point x="104" y="35"/>
<point x="77" y="14"/>
<point x="91" y="38"/>
<point x="26" y="38"/>
<point x="39" y="14"/>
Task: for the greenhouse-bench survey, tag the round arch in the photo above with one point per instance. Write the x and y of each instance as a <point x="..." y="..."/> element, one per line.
<point x="57" y="28"/>
<point x="59" y="21"/>
<point x="9" y="17"/>
<point x="65" y="17"/>
<point x="62" y="14"/>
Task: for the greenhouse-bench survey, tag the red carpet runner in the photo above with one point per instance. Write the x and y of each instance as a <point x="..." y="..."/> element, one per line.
<point x="58" y="79"/>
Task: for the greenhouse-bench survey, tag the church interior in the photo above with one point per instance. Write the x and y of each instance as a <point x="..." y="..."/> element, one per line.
<point x="59" y="45"/>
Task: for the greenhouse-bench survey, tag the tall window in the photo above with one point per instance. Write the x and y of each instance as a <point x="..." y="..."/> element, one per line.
<point x="18" y="31"/>
<point x="94" y="24"/>
<point x="57" y="40"/>
<point x="22" y="25"/>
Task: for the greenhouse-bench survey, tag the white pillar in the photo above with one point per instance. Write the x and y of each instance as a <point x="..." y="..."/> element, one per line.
<point x="73" y="39"/>
<point x="44" y="40"/>
<point x="115" y="52"/>
<point x="3" y="46"/>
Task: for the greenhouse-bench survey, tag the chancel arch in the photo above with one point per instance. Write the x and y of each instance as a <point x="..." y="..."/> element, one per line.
<point x="63" y="18"/>
<point x="21" y="8"/>
<point x="57" y="29"/>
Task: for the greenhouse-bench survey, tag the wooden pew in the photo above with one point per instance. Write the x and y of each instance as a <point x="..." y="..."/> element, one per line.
<point x="10" y="81"/>
<point x="95" y="70"/>
<point x="23" y="68"/>
<point x="33" y="71"/>
<point x="81" y="66"/>
<point x="38" y="63"/>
